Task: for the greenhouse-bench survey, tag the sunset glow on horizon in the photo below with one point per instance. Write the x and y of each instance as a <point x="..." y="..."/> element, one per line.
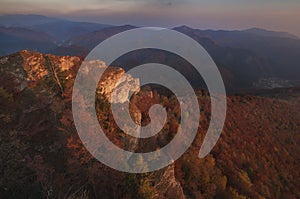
<point x="214" y="14"/>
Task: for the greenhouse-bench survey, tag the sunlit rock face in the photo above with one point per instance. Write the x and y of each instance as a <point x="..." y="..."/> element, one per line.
<point x="117" y="85"/>
<point x="125" y="86"/>
<point x="39" y="66"/>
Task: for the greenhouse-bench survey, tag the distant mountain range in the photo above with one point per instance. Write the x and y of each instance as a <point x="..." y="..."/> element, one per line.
<point x="59" y="29"/>
<point x="247" y="59"/>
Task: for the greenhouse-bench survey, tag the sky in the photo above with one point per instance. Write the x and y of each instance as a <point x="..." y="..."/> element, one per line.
<point x="280" y="15"/>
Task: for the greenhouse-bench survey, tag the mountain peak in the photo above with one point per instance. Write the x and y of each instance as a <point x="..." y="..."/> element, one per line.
<point x="183" y="27"/>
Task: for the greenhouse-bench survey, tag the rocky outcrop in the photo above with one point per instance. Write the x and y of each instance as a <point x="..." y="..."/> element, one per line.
<point x="168" y="186"/>
<point x="164" y="181"/>
<point x="117" y="85"/>
<point x="44" y="83"/>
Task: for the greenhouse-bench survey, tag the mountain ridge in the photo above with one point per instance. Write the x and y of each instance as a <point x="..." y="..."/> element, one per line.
<point x="246" y="58"/>
<point x="255" y="157"/>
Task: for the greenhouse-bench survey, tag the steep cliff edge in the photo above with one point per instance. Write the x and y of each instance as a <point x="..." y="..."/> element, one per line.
<point x="38" y="133"/>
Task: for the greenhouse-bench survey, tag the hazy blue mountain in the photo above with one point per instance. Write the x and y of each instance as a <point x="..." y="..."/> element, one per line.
<point x="281" y="53"/>
<point x="70" y="50"/>
<point x="269" y="33"/>
<point x="245" y="58"/>
<point x="20" y="20"/>
<point x="60" y="29"/>
<point x="63" y="29"/>
<point x="14" y="39"/>
<point x="92" y="39"/>
<point x="233" y="62"/>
